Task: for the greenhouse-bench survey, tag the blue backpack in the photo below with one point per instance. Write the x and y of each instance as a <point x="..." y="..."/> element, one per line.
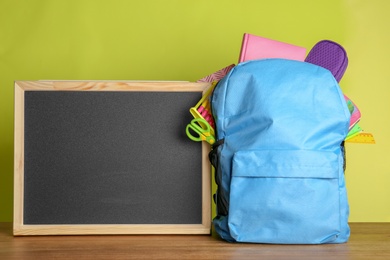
<point x="279" y="154"/>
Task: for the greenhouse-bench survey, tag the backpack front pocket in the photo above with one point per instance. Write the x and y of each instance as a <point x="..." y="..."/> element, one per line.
<point x="285" y="197"/>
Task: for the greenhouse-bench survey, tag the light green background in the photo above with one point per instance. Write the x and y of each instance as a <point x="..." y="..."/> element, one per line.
<point x="186" y="40"/>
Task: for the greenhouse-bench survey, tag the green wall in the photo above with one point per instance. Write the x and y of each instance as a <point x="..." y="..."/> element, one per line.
<point x="186" y="40"/>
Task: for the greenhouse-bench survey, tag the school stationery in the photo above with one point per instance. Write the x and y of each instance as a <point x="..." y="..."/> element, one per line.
<point x="366" y="138"/>
<point x="257" y="47"/>
<point x="330" y="55"/>
<point x="202" y="131"/>
<point x="202" y="108"/>
<point x="216" y="76"/>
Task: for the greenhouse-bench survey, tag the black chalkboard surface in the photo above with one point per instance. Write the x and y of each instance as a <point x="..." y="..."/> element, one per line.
<point x="108" y="158"/>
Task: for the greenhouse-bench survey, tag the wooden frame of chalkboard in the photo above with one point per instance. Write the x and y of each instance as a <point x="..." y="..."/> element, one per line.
<point x="83" y="166"/>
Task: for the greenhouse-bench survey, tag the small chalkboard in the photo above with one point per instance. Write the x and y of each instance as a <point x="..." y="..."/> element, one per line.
<point x="97" y="157"/>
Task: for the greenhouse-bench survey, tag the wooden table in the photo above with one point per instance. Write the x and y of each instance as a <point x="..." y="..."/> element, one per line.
<point x="368" y="241"/>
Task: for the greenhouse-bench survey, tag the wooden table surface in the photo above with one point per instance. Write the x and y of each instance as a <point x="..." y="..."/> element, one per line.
<point x="368" y="241"/>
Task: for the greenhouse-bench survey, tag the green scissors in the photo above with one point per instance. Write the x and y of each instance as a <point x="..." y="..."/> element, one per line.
<point x="203" y="130"/>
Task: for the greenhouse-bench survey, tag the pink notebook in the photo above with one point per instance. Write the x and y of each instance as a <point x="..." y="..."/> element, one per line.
<point x="255" y="47"/>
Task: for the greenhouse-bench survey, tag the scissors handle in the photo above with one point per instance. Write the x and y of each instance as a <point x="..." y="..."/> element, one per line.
<point x="202" y="129"/>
